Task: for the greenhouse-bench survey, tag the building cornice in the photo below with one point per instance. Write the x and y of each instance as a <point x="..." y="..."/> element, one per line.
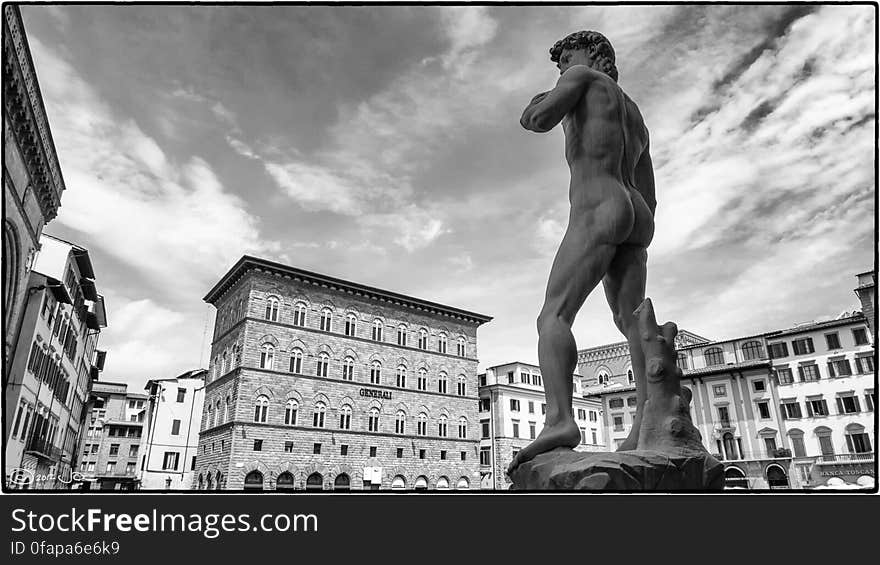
<point x="248" y="263"/>
<point x="23" y="105"/>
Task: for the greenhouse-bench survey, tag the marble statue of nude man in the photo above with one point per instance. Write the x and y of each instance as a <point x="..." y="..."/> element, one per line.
<point x="610" y="224"/>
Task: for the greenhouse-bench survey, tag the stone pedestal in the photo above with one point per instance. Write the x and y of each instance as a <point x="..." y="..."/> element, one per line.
<point x="564" y="469"/>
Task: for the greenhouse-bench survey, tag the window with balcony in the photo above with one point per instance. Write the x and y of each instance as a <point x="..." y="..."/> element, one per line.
<point x="857" y="441"/>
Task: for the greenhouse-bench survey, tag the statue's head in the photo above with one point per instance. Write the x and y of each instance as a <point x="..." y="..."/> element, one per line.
<point x="589" y="48"/>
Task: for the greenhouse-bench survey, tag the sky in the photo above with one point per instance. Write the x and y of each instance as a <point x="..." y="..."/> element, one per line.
<point x="382" y="145"/>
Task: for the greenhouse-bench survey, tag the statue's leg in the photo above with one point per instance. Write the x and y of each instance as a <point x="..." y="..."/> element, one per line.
<point x="580" y="264"/>
<point x="625" y="290"/>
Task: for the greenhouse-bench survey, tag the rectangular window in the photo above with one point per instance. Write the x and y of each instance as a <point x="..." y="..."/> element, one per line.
<point x="593" y="432"/>
<point x="483" y="379"/>
<point x="870" y="400"/>
<point x="316" y="448"/>
<point x="784" y="376"/>
<point x="790" y="410"/>
<point x="583" y="435"/>
<point x="514" y="405"/>
<point x="373" y="451"/>
<point x="129" y="468"/>
<point x="582" y="414"/>
<point x="848" y="405"/>
<point x="817" y="407"/>
<point x="860" y="336"/>
<point x="343" y="449"/>
<point x="839" y="368"/>
<point x="531" y="430"/>
<point x="510" y="378"/>
<point x="111" y="467"/>
<point x="778" y="350"/>
<point x="618" y="423"/>
<point x="531" y="407"/>
<point x="525" y="378"/>
<point x="484" y="405"/>
<point x="421" y="454"/>
<point x="443" y="455"/>
<point x="832" y="340"/>
<point x="803" y="346"/>
<point x="809" y="373"/>
<point x="770" y="445"/>
<point x="543" y="409"/>
<point x="719" y="390"/>
<point x="515" y="428"/>
<point x="537" y="380"/>
<point x="400" y="453"/>
<point x="724" y="415"/>
<point x="484" y="429"/>
<point x="169" y="461"/>
<point x="485" y="456"/>
<point x="593" y="417"/>
<point x="175" y="428"/>
<point x="615" y="403"/>
<point x="864" y="365"/>
<point x="759" y="386"/>
<point x="181" y="394"/>
<point x="288" y="447"/>
<point x="258" y="445"/>
<point x="764" y="410"/>
<point x="114" y="449"/>
<point x="464" y="455"/>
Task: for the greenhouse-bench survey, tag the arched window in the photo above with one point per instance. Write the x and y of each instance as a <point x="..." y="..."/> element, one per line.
<point x="461" y="350"/>
<point x="315" y="482"/>
<point x="796" y="437"/>
<point x="753" y="350"/>
<point x="253" y="481"/>
<point x="11" y="265"/>
<point x="318" y="415"/>
<point x="401" y="376"/>
<point x="825" y="445"/>
<point x="442" y="483"/>
<point x="400" y="423"/>
<point x="630" y="377"/>
<point x="422" y="426"/>
<point x="730" y="446"/>
<point x="345" y="417"/>
<point x="348" y="369"/>
<point x="441" y="342"/>
<point x="326" y="320"/>
<point x="462" y="385"/>
<point x="682" y="361"/>
<point x="323" y="364"/>
<point x="209" y="421"/>
<point x="342" y="482"/>
<point x="218" y="412"/>
<point x="401" y="335"/>
<point x="201" y="482"/>
<point x="714" y="356"/>
<point x="226" y="410"/>
<point x="284" y="481"/>
<point x="462" y="427"/>
<point x="735" y="478"/>
<point x="296" y="361"/>
<point x="441" y="427"/>
<point x="421" y="483"/>
<point x="220" y="481"/>
<point x="290" y="411"/>
<point x="442" y="380"/>
<point x="267" y="356"/>
<point x="224" y="363"/>
<point x="776" y="477"/>
<point x="603" y="378"/>
<point x="422" y="382"/>
<point x="398" y="483"/>
<point x="350" y="324"/>
<point x="299" y="314"/>
<point x="423" y="338"/>
<point x="463" y="484"/>
<point x="373" y="420"/>
<point x="376" y="373"/>
<point x="378" y="326"/>
<point x="210" y="482"/>
<point x="261" y="409"/>
<point x="236" y="355"/>
<point x="272" y="309"/>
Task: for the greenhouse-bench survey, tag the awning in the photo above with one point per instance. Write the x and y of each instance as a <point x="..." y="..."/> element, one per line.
<point x="88" y="289"/>
<point x="59" y="291"/>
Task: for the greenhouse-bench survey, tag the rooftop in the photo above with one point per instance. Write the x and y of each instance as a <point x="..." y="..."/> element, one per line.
<point x="248" y="263"/>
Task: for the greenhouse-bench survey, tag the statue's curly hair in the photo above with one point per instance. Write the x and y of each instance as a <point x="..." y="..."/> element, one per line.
<point x="596" y="44"/>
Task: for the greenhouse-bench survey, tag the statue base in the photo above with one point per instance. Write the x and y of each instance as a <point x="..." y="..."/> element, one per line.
<point x="565" y="469"/>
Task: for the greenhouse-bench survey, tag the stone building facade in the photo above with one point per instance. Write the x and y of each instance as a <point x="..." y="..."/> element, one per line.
<point x="32" y="181"/>
<point x="867" y="292"/>
<point x="318" y="383"/>
<point x="512" y="408"/>
<point x="111" y="449"/>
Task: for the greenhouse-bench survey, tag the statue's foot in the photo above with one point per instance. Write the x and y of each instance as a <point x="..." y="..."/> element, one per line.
<point x="562" y="434"/>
